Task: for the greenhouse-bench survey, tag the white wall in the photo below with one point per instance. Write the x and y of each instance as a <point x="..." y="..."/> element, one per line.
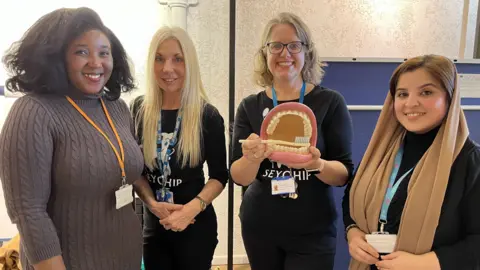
<point x="470" y="22"/>
<point x="353" y="28"/>
<point x="7" y="230"/>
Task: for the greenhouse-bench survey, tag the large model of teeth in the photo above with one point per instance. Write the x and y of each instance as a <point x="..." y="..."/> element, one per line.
<point x="290" y="129"/>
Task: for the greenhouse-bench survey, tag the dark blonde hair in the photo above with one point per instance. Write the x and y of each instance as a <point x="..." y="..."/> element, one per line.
<point x="439" y="67"/>
<point x="312" y="70"/>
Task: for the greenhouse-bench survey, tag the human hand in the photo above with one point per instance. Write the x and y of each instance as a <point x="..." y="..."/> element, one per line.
<point x="314" y="163"/>
<point x="401" y="260"/>
<point x="53" y="263"/>
<point x="163" y="209"/>
<point x="254" y="150"/>
<point x="178" y="220"/>
<point x="359" y="248"/>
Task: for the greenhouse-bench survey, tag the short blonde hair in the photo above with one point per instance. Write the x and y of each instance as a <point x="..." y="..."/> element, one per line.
<point x="312" y="71"/>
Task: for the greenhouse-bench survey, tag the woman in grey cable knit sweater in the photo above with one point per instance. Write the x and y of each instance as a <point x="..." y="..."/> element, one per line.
<point x="59" y="173"/>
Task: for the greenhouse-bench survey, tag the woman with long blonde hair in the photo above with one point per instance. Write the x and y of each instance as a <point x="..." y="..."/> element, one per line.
<point x="179" y="130"/>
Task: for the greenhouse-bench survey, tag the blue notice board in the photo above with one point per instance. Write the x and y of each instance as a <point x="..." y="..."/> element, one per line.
<point x="365" y="82"/>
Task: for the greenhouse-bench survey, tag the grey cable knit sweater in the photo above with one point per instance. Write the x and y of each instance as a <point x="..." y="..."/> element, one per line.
<point x="59" y="177"/>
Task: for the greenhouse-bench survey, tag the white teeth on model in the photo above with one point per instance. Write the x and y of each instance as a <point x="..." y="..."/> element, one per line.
<point x="281" y="148"/>
<point x="169" y="80"/>
<point x="307" y="128"/>
<point x="285" y="63"/>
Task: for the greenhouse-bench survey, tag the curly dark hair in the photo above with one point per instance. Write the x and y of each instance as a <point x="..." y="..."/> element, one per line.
<point x="37" y="62"/>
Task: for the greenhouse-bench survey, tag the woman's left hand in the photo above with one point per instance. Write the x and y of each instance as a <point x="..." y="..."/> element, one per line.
<point x="314" y="163"/>
<point x="179" y="220"/>
<point x="400" y="260"/>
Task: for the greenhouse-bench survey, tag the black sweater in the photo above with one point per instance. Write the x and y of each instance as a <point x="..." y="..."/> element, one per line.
<point x="457" y="237"/>
<point x="314" y="210"/>
<point x="188" y="182"/>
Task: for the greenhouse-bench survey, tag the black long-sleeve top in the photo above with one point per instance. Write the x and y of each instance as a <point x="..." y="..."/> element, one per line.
<point x="314" y="210"/>
<point x="188" y="182"/>
<point x="457" y="237"/>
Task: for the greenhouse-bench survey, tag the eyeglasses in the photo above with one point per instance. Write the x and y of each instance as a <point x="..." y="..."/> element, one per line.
<point x="292" y="47"/>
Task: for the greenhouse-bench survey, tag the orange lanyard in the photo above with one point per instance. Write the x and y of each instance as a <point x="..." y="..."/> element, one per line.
<point x="121" y="159"/>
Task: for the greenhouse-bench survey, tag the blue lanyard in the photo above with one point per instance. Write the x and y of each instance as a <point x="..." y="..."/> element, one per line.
<point x="392" y="188"/>
<point x="163" y="160"/>
<point x="274" y="95"/>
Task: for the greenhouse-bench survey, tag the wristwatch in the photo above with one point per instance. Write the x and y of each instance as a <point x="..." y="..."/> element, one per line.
<point x="203" y="204"/>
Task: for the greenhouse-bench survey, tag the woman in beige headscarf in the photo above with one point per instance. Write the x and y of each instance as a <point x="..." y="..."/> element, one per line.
<point x="422" y="162"/>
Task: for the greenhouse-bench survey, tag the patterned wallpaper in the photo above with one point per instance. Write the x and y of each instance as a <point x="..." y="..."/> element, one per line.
<point x="208" y="25"/>
<point x="356" y="28"/>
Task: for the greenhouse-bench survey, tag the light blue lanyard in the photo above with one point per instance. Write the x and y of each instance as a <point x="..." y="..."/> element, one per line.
<point x="392" y="187"/>
<point x="163" y="161"/>
<point x="274" y="95"/>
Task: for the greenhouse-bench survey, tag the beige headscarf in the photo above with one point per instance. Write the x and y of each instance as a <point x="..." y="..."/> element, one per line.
<point x="427" y="185"/>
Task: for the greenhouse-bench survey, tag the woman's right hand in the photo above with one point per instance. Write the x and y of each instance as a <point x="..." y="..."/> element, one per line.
<point x="163" y="209"/>
<point x="359" y="249"/>
<point x="254" y="150"/>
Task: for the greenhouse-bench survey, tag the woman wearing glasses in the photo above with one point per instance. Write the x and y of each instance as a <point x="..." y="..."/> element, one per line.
<point x="295" y="232"/>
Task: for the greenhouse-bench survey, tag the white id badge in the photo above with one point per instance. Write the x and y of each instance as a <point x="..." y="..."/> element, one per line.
<point x="382" y="243"/>
<point x="124" y="196"/>
<point x="283" y="185"/>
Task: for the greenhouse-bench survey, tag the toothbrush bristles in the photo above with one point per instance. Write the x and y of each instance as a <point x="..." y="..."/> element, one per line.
<point x="302" y="139"/>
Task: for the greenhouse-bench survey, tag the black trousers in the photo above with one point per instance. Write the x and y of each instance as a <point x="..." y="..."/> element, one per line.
<point x="191" y="249"/>
<point x="315" y="251"/>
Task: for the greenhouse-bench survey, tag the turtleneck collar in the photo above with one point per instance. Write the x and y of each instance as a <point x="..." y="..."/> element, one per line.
<point x="424" y="139"/>
<point x="76" y="94"/>
<point x="86" y="100"/>
<point x="415" y="146"/>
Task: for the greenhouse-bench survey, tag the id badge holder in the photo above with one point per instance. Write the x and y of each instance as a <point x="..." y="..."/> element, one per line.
<point x="124" y="195"/>
<point x="284" y="186"/>
<point x="382" y="241"/>
<point x="164" y="195"/>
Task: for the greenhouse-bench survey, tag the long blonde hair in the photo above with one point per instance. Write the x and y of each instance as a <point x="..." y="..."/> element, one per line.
<point x="312" y="71"/>
<point x="193" y="100"/>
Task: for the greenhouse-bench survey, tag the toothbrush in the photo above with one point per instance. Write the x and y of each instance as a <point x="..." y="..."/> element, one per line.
<point x="299" y="141"/>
